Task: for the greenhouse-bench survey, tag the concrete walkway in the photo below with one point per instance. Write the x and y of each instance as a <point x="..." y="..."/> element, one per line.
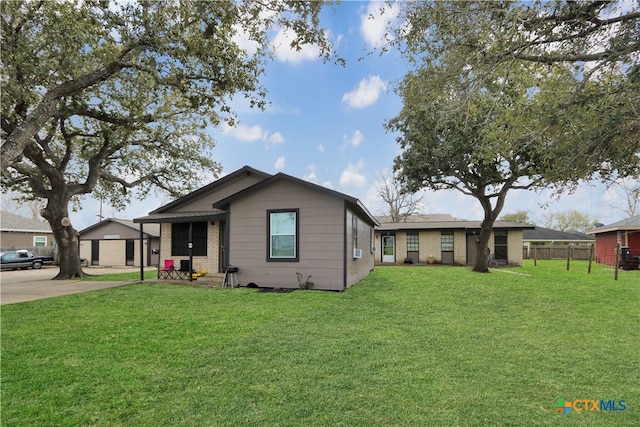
<point x="27" y="285"/>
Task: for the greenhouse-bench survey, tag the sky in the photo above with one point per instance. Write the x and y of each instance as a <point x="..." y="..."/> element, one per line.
<point x="325" y="123"/>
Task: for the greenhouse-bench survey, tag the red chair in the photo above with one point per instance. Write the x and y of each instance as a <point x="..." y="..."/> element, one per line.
<point x="167" y="271"/>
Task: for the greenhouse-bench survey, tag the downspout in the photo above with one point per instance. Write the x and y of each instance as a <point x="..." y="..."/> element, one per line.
<point x="344" y="249"/>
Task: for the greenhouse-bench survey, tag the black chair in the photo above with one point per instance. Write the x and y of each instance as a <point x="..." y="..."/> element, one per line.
<point x="184" y="270"/>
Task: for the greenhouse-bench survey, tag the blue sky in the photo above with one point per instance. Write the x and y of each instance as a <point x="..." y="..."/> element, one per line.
<point x="325" y="123"/>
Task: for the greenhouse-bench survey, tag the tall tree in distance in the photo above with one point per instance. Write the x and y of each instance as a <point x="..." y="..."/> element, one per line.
<point x="625" y="195"/>
<point x="569" y="220"/>
<point x="518" y="216"/>
<point x="400" y="204"/>
<point x="116" y="98"/>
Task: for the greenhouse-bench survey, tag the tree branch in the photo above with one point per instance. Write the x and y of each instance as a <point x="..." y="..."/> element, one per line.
<point x="18" y="139"/>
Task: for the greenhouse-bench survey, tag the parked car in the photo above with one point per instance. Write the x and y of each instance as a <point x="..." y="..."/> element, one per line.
<point x="12" y="260"/>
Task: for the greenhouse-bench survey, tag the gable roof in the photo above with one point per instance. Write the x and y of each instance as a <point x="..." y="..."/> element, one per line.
<point x="548" y="234"/>
<point x="151" y="230"/>
<point x="245" y="170"/>
<point x="631" y="223"/>
<point x="353" y="202"/>
<point x="449" y="225"/>
<point x="15" y="223"/>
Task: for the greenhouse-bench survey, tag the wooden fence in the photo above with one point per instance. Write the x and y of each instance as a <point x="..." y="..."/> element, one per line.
<point x="558" y="252"/>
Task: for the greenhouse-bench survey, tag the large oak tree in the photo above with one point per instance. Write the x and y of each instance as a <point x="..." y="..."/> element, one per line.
<point x="517" y="95"/>
<point x="110" y="97"/>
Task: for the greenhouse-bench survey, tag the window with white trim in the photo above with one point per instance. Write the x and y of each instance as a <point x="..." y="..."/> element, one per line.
<point x="283" y="235"/>
<point x="39" y="241"/>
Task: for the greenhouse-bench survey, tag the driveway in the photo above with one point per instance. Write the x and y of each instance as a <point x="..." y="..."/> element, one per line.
<point x="27" y="285"/>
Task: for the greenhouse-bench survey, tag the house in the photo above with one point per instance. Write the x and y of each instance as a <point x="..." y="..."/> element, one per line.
<point x="446" y="242"/>
<point x="552" y="244"/>
<point x="117" y="242"/>
<point x="625" y="232"/>
<point x="277" y="230"/>
<point x="18" y="232"/>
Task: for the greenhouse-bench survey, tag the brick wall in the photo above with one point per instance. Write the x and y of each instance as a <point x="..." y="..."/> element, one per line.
<point x="209" y="262"/>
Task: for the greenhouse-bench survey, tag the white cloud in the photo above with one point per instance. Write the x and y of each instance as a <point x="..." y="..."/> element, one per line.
<point x="328" y="184"/>
<point x="279" y="165"/>
<point x="244" y="132"/>
<point x="253" y="133"/>
<point x="351" y="176"/>
<point x="375" y="21"/>
<point x="276" y="138"/>
<point x="321" y="148"/>
<point x="355" y="139"/>
<point x="311" y="177"/>
<point x="366" y="93"/>
<point x="244" y="41"/>
<point x="285" y="53"/>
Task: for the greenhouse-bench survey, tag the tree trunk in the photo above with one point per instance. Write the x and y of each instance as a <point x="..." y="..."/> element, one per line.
<point x="482" y="246"/>
<point x="57" y="214"/>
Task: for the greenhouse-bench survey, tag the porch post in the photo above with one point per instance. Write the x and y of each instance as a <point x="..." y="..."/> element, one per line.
<point x="141" y="252"/>
<point x="190" y="251"/>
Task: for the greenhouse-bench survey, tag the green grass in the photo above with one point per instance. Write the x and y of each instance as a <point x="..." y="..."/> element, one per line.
<point x="428" y="346"/>
<point x="116" y="277"/>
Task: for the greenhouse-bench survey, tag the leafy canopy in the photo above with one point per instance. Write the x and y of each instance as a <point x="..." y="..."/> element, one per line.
<point x="587" y="53"/>
<point x="115" y="95"/>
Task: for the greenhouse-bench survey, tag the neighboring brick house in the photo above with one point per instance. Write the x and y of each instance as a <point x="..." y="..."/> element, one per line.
<point x="625" y="232"/>
<point x="272" y="228"/>
<point x="18" y="232"/>
<point x="446" y="242"/>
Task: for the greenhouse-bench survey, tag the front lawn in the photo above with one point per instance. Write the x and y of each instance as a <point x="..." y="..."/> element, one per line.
<point x="428" y="346"/>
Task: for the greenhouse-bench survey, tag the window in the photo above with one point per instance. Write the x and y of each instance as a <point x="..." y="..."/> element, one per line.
<point x="446" y="240"/>
<point x="372" y="239"/>
<point x="39" y="241"/>
<point x="354" y="231"/>
<point x="500" y="245"/>
<point x="283" y="235"/>
<point x="180" y="239"/>
<point x="412" y="243"/>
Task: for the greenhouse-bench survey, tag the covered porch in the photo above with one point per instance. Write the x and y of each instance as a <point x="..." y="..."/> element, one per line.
<point x="192" y="244"/>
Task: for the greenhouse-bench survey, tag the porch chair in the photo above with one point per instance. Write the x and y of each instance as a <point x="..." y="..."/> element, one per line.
<point x="184" y="271"/>
<point x="167" y="271"/>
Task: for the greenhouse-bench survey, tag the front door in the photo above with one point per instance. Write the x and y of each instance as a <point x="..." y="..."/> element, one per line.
<point x="472" y="248"/>
<point x="129" y="252"/>
<point x="95" y="252"/>
<point x="388" y="248"/>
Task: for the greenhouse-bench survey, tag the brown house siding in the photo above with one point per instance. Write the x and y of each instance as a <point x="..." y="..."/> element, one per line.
<point x="23" y="240"/>
<point x="320" y="237"/>
<point x="358" y="268"/>
<point x="204" y="202"/>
